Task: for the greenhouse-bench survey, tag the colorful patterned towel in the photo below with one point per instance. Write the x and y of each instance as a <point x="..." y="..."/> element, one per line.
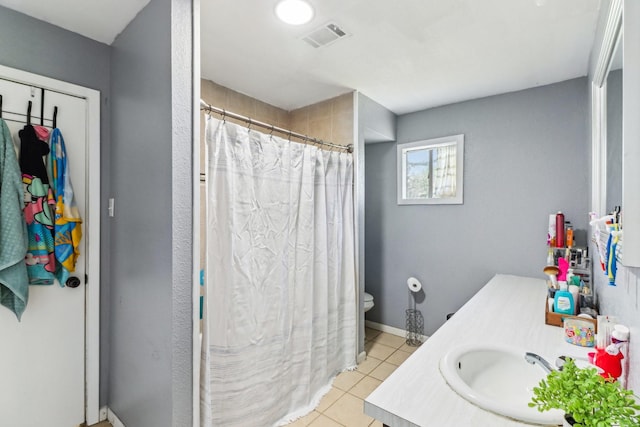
<point x="14" y="282"/>
<point x="38" y="212"/>
<point x="68" y="224"/>
<point x="38" y="208"/>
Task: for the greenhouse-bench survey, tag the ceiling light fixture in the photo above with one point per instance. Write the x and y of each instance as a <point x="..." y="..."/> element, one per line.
<point x="294" y="12"/>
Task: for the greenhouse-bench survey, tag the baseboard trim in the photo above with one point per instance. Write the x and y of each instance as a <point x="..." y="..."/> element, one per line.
<point x="113" y="419"/>
<point x="103" y="414"/>
<point x="390" y="329"/>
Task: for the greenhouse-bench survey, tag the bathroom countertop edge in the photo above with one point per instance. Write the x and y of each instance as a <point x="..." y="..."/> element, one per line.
<point x="507" y="310"/>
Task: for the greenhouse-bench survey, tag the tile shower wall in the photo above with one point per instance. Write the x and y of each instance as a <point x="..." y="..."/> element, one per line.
<point x="330" y="120"/>
<point x="222" y="97"/>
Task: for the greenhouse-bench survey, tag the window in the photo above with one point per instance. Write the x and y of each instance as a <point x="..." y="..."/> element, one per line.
<point x="430" y="172"/>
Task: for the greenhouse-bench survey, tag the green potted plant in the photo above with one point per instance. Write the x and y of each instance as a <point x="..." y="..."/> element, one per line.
<point x="587" y="399"/>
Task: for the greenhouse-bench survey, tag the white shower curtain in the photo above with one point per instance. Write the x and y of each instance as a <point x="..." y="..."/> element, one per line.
<point x="280" y="316"/>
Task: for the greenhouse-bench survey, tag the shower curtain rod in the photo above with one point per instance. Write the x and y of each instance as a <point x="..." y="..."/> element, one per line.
<point x="224" y="113"/>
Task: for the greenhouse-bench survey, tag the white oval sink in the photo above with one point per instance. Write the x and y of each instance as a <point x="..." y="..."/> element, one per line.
<point x="498" y="379"/>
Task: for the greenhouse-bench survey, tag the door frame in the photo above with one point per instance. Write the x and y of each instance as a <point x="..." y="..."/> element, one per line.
<point x="91" y="233"/>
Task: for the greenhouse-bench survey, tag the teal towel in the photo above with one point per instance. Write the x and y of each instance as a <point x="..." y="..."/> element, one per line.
<point x="14" y="282"/>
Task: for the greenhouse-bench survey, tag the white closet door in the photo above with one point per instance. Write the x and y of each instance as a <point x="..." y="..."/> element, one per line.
<point x="43" y="357"/>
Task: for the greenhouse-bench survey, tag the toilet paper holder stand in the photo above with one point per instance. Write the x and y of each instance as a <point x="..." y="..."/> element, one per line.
<point x="414" y="320"/>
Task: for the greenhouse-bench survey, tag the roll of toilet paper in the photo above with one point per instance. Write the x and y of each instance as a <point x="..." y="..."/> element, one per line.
<point x="414" y="284"/>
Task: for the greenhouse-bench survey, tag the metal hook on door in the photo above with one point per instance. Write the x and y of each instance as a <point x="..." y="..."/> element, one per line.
<point x="29" y="113"/>
<point x="42" y="107"/>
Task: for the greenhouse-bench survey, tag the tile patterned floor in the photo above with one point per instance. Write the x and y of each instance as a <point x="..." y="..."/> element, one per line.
<point x="343" y="405"/>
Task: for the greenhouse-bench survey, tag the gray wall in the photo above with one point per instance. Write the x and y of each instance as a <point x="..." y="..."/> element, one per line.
<point x="146" y="253"/>
<point x="41" y="48"/>
<point x="525" y="157"/>
<point x="150" y="339"/>
<point x="380" y="124"/>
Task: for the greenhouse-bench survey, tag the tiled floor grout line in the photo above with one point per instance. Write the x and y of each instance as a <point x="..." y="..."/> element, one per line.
<point x="395" y="348"/>
<point x="390" y="353"/>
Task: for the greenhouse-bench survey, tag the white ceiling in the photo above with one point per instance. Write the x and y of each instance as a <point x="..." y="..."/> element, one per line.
<point x="406" y="55"/>
<point x="101" y="20"/>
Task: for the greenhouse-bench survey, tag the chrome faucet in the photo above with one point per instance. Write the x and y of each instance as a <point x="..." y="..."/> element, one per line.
<point x="534" y="359"/>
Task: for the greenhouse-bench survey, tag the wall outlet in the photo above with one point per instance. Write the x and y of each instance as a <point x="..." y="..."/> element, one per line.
<point x="112" y="207"/>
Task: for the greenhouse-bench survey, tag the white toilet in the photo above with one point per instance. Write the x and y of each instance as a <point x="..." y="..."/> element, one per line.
<point x="368" y="302"/>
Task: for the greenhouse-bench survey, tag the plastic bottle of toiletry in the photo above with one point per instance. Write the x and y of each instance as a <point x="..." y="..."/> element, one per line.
<point x="551" y="234"/>
<point x="550" y="260"/>
<point x="569" y="236"/>
<point x="559" y="230"/>
<point x="569" y="275"/>
<point x="563" y="301"/>
<point x="575" y="293"/>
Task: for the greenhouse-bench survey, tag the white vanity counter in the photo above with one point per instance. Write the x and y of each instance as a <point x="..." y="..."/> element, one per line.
<point x="508" y="310"/>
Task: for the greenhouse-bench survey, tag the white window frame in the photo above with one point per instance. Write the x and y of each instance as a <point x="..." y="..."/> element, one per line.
<point x="427" y="144"/>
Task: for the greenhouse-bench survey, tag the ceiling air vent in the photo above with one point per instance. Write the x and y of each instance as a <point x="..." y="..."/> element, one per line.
<point x="325" y="35"/>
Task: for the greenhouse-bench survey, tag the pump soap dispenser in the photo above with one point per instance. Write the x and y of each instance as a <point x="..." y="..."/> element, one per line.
<point x="563" y="301"/>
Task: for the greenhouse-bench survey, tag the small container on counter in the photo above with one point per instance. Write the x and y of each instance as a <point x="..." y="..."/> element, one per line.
<point x="580" y="332"/>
